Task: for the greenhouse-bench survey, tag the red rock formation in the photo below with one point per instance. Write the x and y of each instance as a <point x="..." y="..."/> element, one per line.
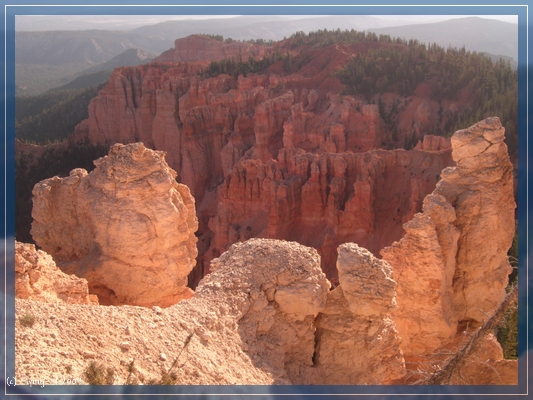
<point x="433" y="143"/>
<point x="324" y="200"/>
<point x="277" y="154"/>
<point x="127" y="218"/>
<point x="201" y="48"/>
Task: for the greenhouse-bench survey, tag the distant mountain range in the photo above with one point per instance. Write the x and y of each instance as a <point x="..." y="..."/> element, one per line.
<point x="101" y="72"/>
<point x="476" y="34"/>
<point x="54" y="58"/>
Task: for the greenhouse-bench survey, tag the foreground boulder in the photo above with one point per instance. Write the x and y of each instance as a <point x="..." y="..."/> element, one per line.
<point x="38" y="278"/>
<point x="127" y="227"/>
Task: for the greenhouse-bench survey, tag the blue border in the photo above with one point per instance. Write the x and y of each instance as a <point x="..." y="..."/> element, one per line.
<point x="262" y="7"/>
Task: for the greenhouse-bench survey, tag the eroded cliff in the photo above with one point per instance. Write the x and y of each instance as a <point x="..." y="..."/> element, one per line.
<point x="267" y="305"/>
<point x="254" y="150"/>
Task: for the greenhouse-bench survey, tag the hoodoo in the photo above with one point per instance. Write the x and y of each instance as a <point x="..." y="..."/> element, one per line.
<point x="127" y="218"/>
<point x="451" y="266"/>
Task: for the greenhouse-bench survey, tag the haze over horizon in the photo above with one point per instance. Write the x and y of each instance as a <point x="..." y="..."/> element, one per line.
<point x="32" y="23"/>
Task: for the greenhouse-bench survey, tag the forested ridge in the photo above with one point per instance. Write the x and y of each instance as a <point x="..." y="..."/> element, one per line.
<point x="396" y="65"/>
<point x="52" y="116"/>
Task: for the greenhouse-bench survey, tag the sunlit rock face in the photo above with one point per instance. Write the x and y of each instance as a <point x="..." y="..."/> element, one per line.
<point x="451" y="266"/>
<point x="127" y="227"/>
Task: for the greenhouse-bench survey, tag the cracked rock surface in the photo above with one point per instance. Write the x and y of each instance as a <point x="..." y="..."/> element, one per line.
<point x="451" y="265"/>
<point x="127" y="227"/>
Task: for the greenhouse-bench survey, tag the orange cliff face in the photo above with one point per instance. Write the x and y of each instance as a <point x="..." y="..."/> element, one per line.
<point x="280" y="154"/>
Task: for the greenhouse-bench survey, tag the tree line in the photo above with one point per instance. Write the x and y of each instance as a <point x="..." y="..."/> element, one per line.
<point x="52" y="116"/>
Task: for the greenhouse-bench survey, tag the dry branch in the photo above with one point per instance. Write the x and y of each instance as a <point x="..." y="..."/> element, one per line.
<point x="444" y="375"/>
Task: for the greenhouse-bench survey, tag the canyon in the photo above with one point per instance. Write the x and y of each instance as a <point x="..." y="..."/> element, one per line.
<point x="267" y="306"/>
<point x="273" y="221"/>
<point x="278" y="155"/>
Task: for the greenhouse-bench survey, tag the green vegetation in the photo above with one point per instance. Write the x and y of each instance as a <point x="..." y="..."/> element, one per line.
<point x="52" y="116"/>
<point x="324" y="37"/>
<point x="252" y="66"/>
<point x="507" y="333"/>
<point x="220" y="38"/>
<point x="27" y="320"/>
<point x="35" y="79"/>
<point x="261" y="42"/>
<point x="489" y="89"/>
<point x="98" y="374"/>
<point x="507" y="330"/>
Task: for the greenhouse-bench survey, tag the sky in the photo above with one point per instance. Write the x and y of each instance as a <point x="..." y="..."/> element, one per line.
<point x="124" y="22"/>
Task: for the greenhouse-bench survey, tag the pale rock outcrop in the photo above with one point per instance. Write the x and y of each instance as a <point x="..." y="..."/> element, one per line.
<point x="357" y="340"/>
<point x="451" y="266"/>
<point x="281" y="289"/>
<point x="38" y="278"/>
<point x="127" y="218"/>
<point x="257" y="318"/>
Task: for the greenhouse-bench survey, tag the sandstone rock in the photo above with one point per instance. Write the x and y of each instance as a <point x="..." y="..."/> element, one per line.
<point x="284" y="290"/>
<point x="433" y="143"/>
<point x="451" y="266"/>
<point x="366" y="281"/>
<point x="201" y="48"/>
<point x="481" y="190"/>
<point x="357" y="341"/>
<point x="128" y="217"/>
<point x="38" y="278"/>
<point x="486" y="366"/>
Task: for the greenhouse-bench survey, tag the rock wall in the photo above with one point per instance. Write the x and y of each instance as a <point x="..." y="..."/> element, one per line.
<point x="452" y="266"/>
<point x="323" y="200"/>
<point x="128" y="217"/>
<point x="38" y="278"/>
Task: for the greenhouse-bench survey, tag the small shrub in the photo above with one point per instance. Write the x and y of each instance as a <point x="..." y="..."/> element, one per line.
<point x="97" y="374"/>
<point x="167" y="378"/>
<point x="28" y="320"/>
<point x="131" y="379"/>
<point x="507" y="333"/>
<point x="68" y="369"/>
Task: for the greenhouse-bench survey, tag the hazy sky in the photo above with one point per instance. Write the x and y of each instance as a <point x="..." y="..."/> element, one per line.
<point x="122" y="22"/>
